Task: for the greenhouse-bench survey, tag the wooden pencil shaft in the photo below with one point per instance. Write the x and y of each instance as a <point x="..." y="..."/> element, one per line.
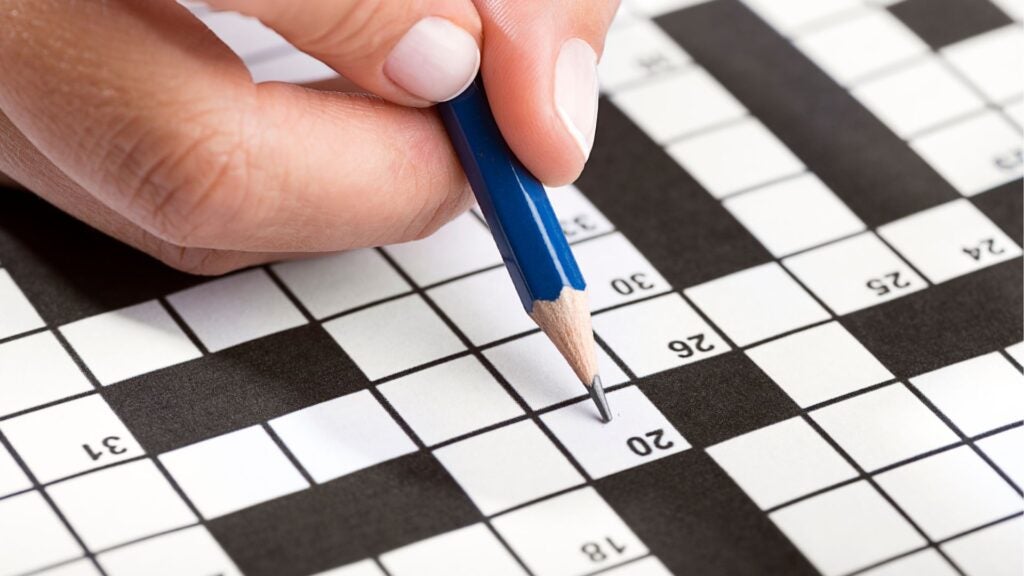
<point x="566" y="321"/>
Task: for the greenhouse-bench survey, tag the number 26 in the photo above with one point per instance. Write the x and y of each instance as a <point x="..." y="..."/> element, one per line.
<point x="691" y="345"/>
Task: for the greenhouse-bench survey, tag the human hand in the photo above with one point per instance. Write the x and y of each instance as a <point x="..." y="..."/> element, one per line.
<point x="132" y="116"/>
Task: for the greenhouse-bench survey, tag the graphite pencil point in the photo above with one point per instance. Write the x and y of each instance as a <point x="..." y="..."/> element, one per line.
<point x="597" y="395"/>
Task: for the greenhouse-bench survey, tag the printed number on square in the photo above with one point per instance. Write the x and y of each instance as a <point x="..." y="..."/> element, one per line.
<point x="950" y="240"/>
<point x="637" y="434"/>
<point x="569" y="535"/>
<point x="70" y="438"/>
<point x="855" y="273"/>
<point x="658" y="334"/>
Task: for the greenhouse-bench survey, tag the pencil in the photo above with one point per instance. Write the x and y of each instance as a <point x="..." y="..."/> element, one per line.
<point x="528" y="235"/>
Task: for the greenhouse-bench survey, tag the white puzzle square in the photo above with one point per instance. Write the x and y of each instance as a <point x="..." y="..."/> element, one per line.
<point x="924" y="562"/>
<point x="362" y="568"/>
<point x="735" y="157"/>
<point x="69" y="438"/>
<point x="338" y="282"/>
<point x="16" y="313"/>
<point x="616" y="272"/>
<point x="636" y="51"/>
<point x="1006" y="450"/>
<point x="637" y="434"/>
<point x="855" y="47"/>
<point x="569" y="535"/>
<point x="188" y="552"/>
<point x="469" y="551"/>
<point x="123" y="343"/>
<point x="1016" y="111"/>
<point x="884" y="426"/>
<point x="393" y="336"/>
<point x="118" y="504"/>
<point x="654" y="8"/>
<point x="35" y="370"/>
<point x="793" y="215"/>
<point x="624" y="16"/>
<point x="855" y="273"/>
<point x="991" y="61"/>
<point x="539" y="373"/>
<point x="824" y="526"/>
<point x="756" y="303"/>
<point x="950" y="492"/>
<point x="649" y="566"/>
<point x="678" y="103"/>
<point x="12" y="478"/>
<point x="819" y="364"/>
<point x="450" y="399"/>
<point x="461" y="246"/>
<point x="246" y="36"/>
<point x="1016" y="351"/>
<point x="508" y="466"/>
<point x="233" y="471"/>
<point x="788" y="16"/>
<point x="978" y="395"/>
<point x="916" y="97"/>
<point x="32" y="535"/>
<point x="949" y="240"/>
<point x="234" y="309"/>
<point x="658" y="334"/>
<point x="83" y="567"/>
<point x="994" y="551"/>
<point x="974" y="155"/>
<point x="342" y="435"/>
<point x="290" y="66"/>
<point x="778" y="463"/>
<point x="484" y="306"/>
<point x="1014" y="9"/>
<point x="578" y="217"/>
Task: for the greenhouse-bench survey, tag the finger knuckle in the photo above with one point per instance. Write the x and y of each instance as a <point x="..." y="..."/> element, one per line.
<point x="445" y="192"/>
<point x="439" y="212"/>
<point x="451" y="197"/>
<point x="182" y="187"/>
<point x="354" y="29"/>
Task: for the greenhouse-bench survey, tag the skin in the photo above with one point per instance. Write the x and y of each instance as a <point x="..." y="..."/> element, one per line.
<point x="136" y="119"/>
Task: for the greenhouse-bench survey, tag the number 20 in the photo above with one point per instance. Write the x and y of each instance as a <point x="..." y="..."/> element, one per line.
<point x="641" y="447"/>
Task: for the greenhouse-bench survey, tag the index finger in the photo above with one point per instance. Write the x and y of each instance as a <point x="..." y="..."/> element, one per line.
<point x="157" y="119"/>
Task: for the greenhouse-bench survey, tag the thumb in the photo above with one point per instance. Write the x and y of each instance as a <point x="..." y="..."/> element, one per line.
<point x="413" y="53"/>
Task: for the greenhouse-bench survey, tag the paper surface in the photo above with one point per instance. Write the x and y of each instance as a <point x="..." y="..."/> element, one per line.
<point x="801" y="230"/>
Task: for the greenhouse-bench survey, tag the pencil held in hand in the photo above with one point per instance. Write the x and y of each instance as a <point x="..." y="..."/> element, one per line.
<point x="528" y="234"/>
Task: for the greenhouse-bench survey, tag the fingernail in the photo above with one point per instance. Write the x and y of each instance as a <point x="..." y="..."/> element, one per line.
<point x="435" y="60"/>
<point x="576" y="91"/>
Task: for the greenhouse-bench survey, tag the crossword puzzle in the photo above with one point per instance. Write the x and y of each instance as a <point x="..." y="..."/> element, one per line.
<point x="801" y="228"/>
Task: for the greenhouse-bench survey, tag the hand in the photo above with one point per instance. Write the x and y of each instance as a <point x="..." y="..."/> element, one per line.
<point x="132" y="116"/>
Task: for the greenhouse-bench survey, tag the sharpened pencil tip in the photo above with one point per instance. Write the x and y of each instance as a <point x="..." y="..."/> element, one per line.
<point x="597" y="394"/>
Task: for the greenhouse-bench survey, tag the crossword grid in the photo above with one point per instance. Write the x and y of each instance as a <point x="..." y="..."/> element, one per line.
<point x="648" y="104"/>
<point x="516" y="427"/>
<point x="199" y="335"/>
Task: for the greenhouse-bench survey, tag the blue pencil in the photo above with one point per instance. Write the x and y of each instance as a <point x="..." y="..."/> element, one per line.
<point x="528" y="234"/>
